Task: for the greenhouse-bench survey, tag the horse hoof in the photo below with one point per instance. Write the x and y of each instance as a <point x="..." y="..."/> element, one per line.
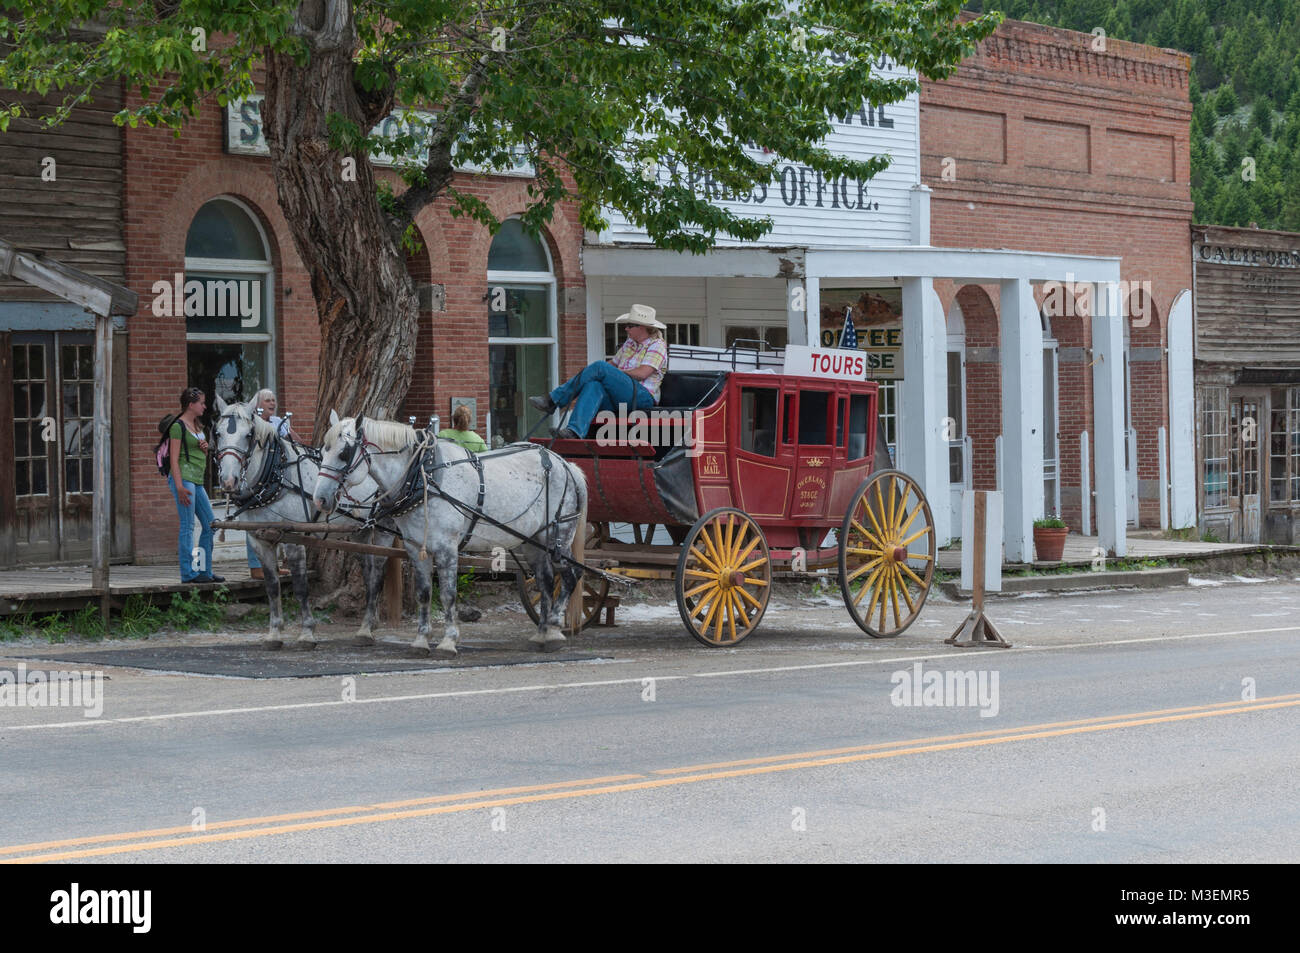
<point x="272" y="645"/>
<point x="554" y="645"/>
<point x="446" y="649"/>
<point x="363" y="640"/>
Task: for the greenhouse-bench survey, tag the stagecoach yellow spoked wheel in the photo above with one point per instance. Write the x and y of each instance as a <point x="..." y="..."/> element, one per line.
<point x="887" y="554"/>
<point x="724" y="577"/>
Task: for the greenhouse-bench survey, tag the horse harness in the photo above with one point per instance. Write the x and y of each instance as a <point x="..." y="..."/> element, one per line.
<point x="270" y="484"/>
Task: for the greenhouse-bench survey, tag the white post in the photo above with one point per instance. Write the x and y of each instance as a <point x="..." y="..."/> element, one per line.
<point x="1182" y="410"/>
<point x="796" y="318"/>
<point x="1021" y="349"/>
<point x="595" y="321"/>
<point x="968" y="477"/>
<point x="919" y="196"/>
<point x="812" y="287"/>
<point x="1108" y="415"/>
<point x="1163" y="458"/>
<point x="922" y="447"/>
<point x="1085" y="483"/>
<point x="101" y="540"/>
<point x="997" y="462"/>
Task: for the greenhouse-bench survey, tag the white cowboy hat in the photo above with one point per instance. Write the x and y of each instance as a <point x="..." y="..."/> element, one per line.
<point x="642" y="314"/>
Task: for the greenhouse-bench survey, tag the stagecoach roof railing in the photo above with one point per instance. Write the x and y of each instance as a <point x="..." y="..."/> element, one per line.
<point x="761" y="357"/>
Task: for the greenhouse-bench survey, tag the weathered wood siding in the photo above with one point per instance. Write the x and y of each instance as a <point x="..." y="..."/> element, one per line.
<point x="1247" y="295"/>
<point x="77" y="217"/>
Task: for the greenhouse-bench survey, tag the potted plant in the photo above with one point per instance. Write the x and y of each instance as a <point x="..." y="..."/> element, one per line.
<point x="1049" y="539"/>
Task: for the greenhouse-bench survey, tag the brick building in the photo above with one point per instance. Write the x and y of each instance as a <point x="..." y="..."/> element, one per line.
<point x="1078" y="157"/>
<point x="1043" y="141"/>
<point x="205" y="206"/>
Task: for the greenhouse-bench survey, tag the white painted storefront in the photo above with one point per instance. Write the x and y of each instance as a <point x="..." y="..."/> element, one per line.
<point x="875" y="236"/>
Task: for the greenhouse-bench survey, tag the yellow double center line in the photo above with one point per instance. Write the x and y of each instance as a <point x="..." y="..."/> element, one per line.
<point x="166" y="837"/>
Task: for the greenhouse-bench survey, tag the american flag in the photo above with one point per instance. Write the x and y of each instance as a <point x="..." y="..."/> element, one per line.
<point x="849" y="336"/>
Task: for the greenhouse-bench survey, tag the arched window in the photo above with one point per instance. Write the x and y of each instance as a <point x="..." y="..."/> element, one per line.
<point x="229" y="302"/>
<point x="521" y="330"/>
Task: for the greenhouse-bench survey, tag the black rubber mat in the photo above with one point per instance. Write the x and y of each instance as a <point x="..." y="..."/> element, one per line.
<point x="250" y="660"/>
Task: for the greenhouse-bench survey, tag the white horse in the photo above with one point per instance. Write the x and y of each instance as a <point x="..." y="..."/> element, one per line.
<point x="274" y="478"/>
<point x="436" y="487"/>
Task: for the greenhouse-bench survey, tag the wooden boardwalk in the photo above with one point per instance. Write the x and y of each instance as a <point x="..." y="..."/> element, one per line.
<point x="53" y="588"/>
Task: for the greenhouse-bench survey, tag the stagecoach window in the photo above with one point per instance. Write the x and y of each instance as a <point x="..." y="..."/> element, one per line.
<point x="758" y="420"/>
<point x="841" y="420"/>
<point x="859" y="405"/>
<point x="814" y="416"/>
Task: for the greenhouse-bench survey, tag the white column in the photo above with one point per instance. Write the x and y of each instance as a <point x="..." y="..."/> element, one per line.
<point x="1162" y="458"/>
<point x="1182" y="410"/>
<point x="595" y="325"/>
<point x="796" y="319"/>
<point x="1085" y="483"/>
<point x="813" y="317"/>
<point x="1108" y="418"/>
<point x="1021" y="350"/>
<point x="922" y="449"/>
<point x="920" y="209"/>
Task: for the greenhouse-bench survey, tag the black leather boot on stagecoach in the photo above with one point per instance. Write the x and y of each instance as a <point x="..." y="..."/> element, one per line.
<point x="543" y="403"/>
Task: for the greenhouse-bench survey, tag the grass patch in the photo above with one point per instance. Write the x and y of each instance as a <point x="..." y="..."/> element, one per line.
<point x="139" y="619"/>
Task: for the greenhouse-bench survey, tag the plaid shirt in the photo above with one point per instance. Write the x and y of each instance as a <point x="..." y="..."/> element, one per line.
<point x="653" y="353"/>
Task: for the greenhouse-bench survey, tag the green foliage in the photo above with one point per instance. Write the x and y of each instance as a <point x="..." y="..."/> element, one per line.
<point x="192" y="611"/>
<point x="1050" y="522"/>
<point x="89" y="621"/>
<point x="1243" y="89"/>
<point x="15" y="626"/>
<point x="591" y="91"/>
<point x="54" y="627"/>
<point x="139" y="618"/>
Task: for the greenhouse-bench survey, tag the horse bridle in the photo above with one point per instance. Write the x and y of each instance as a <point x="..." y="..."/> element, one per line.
<point x="239" y="454"/>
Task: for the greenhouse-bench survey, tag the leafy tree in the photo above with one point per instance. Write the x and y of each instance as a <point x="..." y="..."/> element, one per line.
<point x="1261" y="116"/>
<point x="593" y="91"/>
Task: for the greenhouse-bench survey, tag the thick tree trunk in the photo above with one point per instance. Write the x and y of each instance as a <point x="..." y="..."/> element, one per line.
<point x="365" y="299"/>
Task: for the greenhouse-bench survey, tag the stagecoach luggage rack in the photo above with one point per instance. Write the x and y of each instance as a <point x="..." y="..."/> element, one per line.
<point x="761" y="357"/>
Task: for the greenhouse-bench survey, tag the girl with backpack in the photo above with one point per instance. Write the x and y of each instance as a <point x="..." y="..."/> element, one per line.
<point x="188" y="452"/>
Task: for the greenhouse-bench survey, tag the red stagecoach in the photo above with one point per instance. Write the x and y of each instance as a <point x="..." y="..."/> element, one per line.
<point x="777" y="468"/>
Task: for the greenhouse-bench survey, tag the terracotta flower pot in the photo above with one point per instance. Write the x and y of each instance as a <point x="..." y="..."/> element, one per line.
<point x="1049" y="544"/>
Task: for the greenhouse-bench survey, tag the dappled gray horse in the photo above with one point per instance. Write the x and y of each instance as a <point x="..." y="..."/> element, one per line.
<point x="272" y="479"/>
<point x="434" y="490"/>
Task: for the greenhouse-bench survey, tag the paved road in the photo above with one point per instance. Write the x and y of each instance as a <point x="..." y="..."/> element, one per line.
<point x="1124" y="726"/>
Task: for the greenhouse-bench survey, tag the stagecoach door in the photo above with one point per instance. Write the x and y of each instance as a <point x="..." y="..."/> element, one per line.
<point x="51" y="387"/>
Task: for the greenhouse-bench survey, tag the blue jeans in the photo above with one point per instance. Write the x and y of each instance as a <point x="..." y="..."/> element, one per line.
<point x="600" y="386"/>
<point x="200" y="507"/>
<point x="253" y="561"/>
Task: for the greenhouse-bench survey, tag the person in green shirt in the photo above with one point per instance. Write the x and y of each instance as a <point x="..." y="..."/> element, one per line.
<point x="188" y="446"/>
<point x="460" y="433"/>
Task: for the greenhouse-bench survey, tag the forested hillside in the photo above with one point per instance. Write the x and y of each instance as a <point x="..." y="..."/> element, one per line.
<point x="1245" y="92"/>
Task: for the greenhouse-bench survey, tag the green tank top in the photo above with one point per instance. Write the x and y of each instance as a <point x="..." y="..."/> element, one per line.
<point x="195" y="464"/>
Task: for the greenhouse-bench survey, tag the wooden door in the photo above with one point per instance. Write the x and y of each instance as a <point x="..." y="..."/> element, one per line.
<point x="1247" y="423"/>
<point x="52" y="388"/>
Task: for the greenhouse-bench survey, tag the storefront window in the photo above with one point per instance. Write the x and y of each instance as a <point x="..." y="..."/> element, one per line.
<point x="228" y="303"/>
<point x="522" y="356"/>
<point x="1214" y="444"/>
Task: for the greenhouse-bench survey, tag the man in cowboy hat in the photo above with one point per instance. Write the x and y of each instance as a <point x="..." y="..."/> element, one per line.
<point x="631" y="377"/>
